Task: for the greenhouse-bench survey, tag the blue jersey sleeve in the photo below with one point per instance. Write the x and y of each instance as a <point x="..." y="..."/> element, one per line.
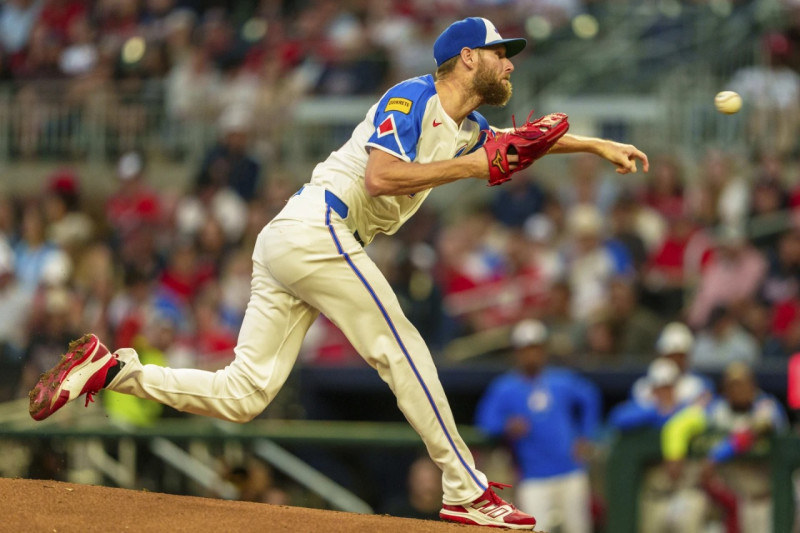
<point x="632" y="415"/>
<point x="483" y="124"/>
<point x="493" y="409"/>
<point x="398" y="118"/>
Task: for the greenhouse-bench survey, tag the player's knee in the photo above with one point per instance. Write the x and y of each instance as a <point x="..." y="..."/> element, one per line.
<point x="246" y="410"/>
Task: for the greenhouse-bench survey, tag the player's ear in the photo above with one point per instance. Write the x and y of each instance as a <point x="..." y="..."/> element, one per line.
<point x="469" y="56"/>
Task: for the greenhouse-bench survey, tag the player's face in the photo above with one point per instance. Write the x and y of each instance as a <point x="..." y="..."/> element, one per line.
<point x="492" y="77"/>
<point x="531" y="359"/>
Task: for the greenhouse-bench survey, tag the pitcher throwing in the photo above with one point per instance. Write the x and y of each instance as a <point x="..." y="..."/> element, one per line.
<point x="424" y="132"/>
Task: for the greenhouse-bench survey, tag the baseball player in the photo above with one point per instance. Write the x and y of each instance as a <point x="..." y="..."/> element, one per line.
<point x="424" y="132"/>
<point x="549" y="416"/>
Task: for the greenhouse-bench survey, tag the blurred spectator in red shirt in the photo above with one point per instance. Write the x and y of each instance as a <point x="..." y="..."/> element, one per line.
<point x="134" y="204"/>
<point x="664" y="190"/>
<point x="57" y="16"/>
<point x="734" y="273"/>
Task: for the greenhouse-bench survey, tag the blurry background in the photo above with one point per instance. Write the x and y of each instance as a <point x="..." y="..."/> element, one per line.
<point x="145" y="143"/>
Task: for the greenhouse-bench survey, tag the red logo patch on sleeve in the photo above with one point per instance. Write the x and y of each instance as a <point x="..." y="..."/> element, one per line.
<point x="386" y="127"/>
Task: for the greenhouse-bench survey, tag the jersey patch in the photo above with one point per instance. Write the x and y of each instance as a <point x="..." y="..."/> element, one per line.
<point x="386" y="127"/>
<point x="403" y="105"/>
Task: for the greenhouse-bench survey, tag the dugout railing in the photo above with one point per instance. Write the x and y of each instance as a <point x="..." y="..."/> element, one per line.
<point x="629" y="454"/>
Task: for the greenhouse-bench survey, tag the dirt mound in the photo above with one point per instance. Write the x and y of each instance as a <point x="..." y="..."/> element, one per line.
<point x="52" y="506"/>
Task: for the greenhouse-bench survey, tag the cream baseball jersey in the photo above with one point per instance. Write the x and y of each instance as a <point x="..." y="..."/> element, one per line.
<point x="409" y="123"/>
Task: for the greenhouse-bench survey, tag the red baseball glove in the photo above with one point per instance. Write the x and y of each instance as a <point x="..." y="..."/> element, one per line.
<point x="529" y="142"/>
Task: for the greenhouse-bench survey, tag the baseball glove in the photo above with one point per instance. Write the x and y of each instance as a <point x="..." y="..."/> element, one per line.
<point x="529" y="142"/>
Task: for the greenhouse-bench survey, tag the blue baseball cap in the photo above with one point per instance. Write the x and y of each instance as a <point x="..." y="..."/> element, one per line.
<point x="472" y="32"/>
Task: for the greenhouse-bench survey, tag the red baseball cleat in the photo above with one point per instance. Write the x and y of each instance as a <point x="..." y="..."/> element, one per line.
<point x="488" y="509"/>
<point x="81" y="370"/>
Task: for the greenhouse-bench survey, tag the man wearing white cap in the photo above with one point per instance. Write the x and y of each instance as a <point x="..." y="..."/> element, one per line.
<point x="675" y="343"/>
<point x="549" y="417"/>
<point x="422" y="133"/>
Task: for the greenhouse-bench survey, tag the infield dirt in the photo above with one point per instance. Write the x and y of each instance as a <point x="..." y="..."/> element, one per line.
<point x="51" y="506"/>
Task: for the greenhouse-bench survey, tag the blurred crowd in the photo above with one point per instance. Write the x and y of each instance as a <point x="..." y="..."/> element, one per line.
<point x="78" y="66"/>
<point x="604" y="262"/>
<point x="692" y="271"/>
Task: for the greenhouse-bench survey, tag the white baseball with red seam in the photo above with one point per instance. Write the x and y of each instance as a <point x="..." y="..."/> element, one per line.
<point x="728" y="102"/>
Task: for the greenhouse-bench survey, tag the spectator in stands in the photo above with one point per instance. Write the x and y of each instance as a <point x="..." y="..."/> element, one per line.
<point x="636" y="327"/>
<point x="190" y="88"/>
<point x="424" y="490"/>
<point x="734" y="274"/>
<point x="95" y="283"/>
<point x="588" y="185"/>
<point x="468" y="264"/>
<point x="135" y="204"/>
<point x="549" y="418"/>
<point x="724" y="341"/>
<point x="602" y="342"/>
<point x="566" y="340"/>
<point x="38" y="260"/>
<point x="513" y="206"/>
<point x="212" y="341"/>
<point x="773" y="91"/>
<point x="665" y="276"/>
<point x="675" y="343"/>
<point x="17" y="19"/>
<point x="664" y="189"/>
<point x="590" y="263"/>
<point x="768" y="203"/>
<point x="227" y="164"/>
<point x="8" y="217"/>
<point x="720" y="194"/>
<point x="68" y="226"/>
<point x="129" y="307"/>
<point x="15" y="305"/>
<point x="57" y="16"/>
<point x="80" y="55"/>
<point x="744" y="413"/>
<point x="627" y="230"/>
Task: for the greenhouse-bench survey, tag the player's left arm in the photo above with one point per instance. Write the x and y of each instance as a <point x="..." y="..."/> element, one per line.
<point x="623" y="156"/>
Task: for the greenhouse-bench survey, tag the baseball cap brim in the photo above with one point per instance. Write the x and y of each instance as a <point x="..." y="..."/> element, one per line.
<point x="513" y="46"/>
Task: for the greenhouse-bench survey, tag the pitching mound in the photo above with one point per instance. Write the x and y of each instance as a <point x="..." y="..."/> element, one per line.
<point x="52" y="506"/>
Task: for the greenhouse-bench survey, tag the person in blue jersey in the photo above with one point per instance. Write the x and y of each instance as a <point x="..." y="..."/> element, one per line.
<point x="310" y="259"/>
<point x="661" y="380"/>
<point x="549" y="417"/>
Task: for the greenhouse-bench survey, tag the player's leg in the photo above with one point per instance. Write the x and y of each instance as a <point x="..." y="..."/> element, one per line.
<point x="350" y="290"/>
<point x="574" y="502"/>
<point x="274" y="325"/>
<point x="535" y="496"/>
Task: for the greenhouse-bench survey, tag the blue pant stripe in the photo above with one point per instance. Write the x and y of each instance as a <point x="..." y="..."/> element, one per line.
<point x="399" y="342"/>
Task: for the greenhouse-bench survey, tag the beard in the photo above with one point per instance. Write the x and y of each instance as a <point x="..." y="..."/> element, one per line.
<point x="490" y="90"/>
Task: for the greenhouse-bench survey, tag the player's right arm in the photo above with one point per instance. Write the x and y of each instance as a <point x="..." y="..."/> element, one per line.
<point x="392" y="168"/>
<point x="389" y="175"/>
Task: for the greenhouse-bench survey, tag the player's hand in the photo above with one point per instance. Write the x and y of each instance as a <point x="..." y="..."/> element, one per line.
<point x="517" y="427"/>
<point x="623" y="156"/>
<point x="582" y="450"/>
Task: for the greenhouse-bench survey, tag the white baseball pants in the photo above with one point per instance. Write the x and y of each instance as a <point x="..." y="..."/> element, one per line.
<point x="561" y="502"/>
<point x="306" y="261"/>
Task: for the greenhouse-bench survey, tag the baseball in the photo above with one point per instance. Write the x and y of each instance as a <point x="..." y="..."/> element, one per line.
<point x="728" y="102"/>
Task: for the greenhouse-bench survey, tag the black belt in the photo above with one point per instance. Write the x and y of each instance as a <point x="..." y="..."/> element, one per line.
<point x="339" y="207"/>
